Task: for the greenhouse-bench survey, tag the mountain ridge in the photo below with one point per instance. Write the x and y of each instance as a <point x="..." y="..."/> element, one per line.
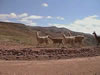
<point x="22" y="34"/>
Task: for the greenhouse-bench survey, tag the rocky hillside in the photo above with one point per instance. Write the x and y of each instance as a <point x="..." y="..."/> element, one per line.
<point x="16" y="33"/>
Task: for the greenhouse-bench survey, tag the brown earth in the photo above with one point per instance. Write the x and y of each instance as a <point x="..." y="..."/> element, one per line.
<point x="31" y="53"/>
<point x="77" y="66"/>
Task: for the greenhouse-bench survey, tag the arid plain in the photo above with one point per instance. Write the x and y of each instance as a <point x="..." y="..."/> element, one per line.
<point x="77" y="66"/>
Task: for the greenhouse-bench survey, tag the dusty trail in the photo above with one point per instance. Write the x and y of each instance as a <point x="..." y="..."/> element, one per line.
<point x="77" y="66"/>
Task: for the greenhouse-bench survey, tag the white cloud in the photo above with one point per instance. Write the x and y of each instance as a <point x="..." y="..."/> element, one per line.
<point x="49" y="17"/>
<point x="60" y="18"/>
<point x="32" y="24"/>
<point x="25" y="18"/>
<point x="3" y="16"/>
<point x="23" y="15"/>
<point x="87" y="25"/>
<point x="12" y="15"/>
<point x="45" y="4"/>
<point x="28" y="22"/>
<point x="33" y="17"/>
<point x="5" y="20"/>
<point x="57" y="18"/>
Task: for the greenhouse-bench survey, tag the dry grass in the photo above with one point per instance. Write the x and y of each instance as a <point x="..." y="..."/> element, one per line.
<point x="78" y="66"/>
<point x="26" y="35"/>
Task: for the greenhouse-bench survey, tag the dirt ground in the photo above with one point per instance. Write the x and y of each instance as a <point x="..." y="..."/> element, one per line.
<point x="49" y="61"/>
<point x="47" y="53"/>
<point x="77" y="66"/>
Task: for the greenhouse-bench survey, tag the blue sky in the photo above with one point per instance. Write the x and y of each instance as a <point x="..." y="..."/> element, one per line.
<point x="77" y="15"/>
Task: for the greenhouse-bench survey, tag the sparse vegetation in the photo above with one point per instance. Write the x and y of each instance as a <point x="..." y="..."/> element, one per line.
<point x="21" y="34"/>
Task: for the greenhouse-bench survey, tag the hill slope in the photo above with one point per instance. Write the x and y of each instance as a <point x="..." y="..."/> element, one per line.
<point x="16" y="33"/>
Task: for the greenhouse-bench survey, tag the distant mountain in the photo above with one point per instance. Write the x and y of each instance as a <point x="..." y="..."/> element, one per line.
<point x="17" y="33"/>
